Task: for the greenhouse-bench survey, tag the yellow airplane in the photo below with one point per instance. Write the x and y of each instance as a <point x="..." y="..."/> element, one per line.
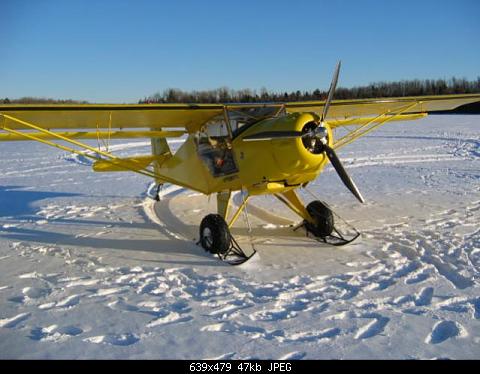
<point x="272" y="148"/>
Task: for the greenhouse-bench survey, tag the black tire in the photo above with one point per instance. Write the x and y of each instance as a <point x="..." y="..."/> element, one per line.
<point x="214" y="234"/>
<point x="323" y="217"/>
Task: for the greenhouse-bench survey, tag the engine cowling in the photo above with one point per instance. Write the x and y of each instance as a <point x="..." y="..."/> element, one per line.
<point x="298" y="156"/>
<point x="287" y="161"/>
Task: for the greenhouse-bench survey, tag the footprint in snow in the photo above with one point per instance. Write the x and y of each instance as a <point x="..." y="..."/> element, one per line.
<point x="253" y="332"/>
<point x="273" y="315"/>
<point x="13" y="321"/>
<point x="68" y="302"/>
<point x="372" y="328"/>
<point x="293" y="356"/>
<point x="123" y="306"/>
<point x="219" y="327"/>
<point x="319" y="308"/>
<point x="476" y="305"/>
<point x="418" y="276"/>
<point x="445" y="330"/>
<point x="313" y="336"/>
<point x="114" y="339"/>
<point x="281" y="312"/>
<point x="35" y="292"/>
<point x="181" y="306"/>
<point x="424" y="297"/>
<point x="230" y="309"/>
<point x="172" y="317"/>
<point x="54" y="333"/>
<point x="17" y="299"/>
<point x="81" y="282"/>
<point x="110" y="291"/>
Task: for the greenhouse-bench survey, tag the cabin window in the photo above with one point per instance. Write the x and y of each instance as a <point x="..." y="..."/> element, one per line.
<point x="217" y="153"/>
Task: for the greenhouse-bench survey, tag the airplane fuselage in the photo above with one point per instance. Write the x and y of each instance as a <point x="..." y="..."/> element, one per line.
<point x="261" y="167"/>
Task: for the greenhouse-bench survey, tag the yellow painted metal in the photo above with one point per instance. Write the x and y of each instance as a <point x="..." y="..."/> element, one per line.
<point x="372" y="125"/>
<point x="275" y="187"/>
<point x="193" y="116"/>
<point x="274" y="167"/>
<point x="58" y="136"/>
<point x="121" y="116"/>
<point x="360" y="121"/>
<point x="187" y="169"/>
<point x="109" y="158"/>
<point x="292" y="200"/>
<point x="223" y="203"/>
<point x="135" y="163"/>
<point x="366" y="107"/>
<point x="68" y="149"/>
<point x="239" y="210"/>
<point x="227" y="122"/>
<point x="161" y="149"/>
<point x="97" y="135"/>
<point x="268" y="167"/>
<point x="279" y="164"/>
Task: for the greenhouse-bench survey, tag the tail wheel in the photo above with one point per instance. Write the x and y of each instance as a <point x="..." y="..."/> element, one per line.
<point x="323" y="218"/>
<point x="214" y="234"/>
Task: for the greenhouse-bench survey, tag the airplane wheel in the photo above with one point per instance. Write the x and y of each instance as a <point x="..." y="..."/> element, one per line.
<point x="214" y="234"/>
<point x="323" y="217"/>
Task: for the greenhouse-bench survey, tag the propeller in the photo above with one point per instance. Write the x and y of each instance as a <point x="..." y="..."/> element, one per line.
<point x="331" y="91"/>
<point x="342" y="173"/>
<point x="314" y="137"/>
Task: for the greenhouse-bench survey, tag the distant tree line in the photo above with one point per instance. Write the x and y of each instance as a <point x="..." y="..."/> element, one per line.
<point x="380" y="89"/>
<point x="40" y="100"/>
<point x="226" y="95"/>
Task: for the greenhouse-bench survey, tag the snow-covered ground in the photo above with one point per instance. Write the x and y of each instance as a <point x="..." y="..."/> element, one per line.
<point x="92" y="268"/>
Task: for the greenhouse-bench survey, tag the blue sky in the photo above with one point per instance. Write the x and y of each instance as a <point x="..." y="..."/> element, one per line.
<point x="123" y="50"/>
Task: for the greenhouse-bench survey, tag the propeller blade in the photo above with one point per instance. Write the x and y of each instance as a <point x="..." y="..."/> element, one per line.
<point x="342" y="173"/>
<point x="333" y="86"/>
<point x="270" y="135"/>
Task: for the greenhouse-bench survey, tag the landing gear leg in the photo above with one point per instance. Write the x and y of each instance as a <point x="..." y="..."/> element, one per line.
<point x="157" y="194"/>
<point x="319" y="220"/>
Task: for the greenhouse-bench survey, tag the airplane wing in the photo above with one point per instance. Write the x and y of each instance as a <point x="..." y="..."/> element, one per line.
<point x="62" y="126"/>
<point x="107" y="116"/>
<point x="45" y="123"/>
<point x="363" y="107"/>
<point x="365" y="115"/>
<point x="191" y="117"/>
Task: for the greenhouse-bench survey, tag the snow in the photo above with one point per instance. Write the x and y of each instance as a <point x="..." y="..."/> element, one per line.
<point x="91" y="267"/>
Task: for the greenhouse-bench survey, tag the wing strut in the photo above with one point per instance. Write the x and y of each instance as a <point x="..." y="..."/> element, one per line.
<point x="372" y="125"/>
<point x="109" y="158"/>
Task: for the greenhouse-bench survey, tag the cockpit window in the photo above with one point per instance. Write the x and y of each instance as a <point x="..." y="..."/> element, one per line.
<point x="217" y="154"/>
<point x="216" y="129"/>
<point x="214" y="142"/>
<point x="243" y="119"/>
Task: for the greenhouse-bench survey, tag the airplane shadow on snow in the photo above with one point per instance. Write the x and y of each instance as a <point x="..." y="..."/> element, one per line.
<point x="19" y="203"/>
<point x="157" y="246"/>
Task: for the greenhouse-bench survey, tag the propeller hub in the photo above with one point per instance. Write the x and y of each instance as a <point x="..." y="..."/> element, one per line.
<point x="321" y="133"/>
<point x="314" y="137"/>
